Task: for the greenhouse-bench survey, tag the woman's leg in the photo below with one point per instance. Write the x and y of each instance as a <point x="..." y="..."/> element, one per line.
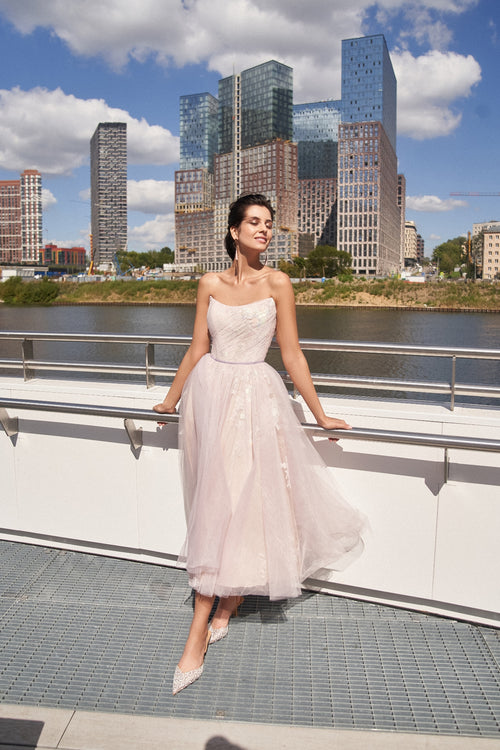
<point x="196" y="644"/>
<point x="225" y="609"/>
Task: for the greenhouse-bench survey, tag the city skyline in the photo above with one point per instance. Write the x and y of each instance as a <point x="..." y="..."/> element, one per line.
<point x="61" y="78"/>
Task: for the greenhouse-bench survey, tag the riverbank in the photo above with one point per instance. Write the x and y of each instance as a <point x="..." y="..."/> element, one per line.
<point x="383" y="293"/>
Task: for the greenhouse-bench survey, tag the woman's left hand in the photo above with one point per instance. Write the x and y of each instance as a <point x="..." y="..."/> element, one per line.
<point x="330" y="423"/>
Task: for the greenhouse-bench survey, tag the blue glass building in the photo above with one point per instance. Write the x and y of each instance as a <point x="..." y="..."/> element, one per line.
<point x="369" y="84"/>
<point x="263" y="96"/>
<point x="198" y="131"/>
<point x="315" y="130"/>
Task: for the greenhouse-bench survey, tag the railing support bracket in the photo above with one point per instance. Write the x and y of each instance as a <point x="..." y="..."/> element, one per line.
<point x="10" y="424"/>
<point x="446" y="465"/>
<point x="134" y="434"/>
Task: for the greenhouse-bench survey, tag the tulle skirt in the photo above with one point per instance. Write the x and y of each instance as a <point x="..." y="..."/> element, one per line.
<point x="263" y="511"/>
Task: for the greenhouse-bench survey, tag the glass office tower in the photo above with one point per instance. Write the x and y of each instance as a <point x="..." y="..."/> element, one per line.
<point x="263" y="96"/>
<point x="369" y="84"/>
<point x="256" y="153"/>
<point x="369" y="217"/>
<point x="315" y="130"/>
<point x="194" y="183"/>
<point x="198" y="131"/>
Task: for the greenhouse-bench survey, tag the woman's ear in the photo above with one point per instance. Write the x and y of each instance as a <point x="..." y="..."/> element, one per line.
<point x="234" y="233"/>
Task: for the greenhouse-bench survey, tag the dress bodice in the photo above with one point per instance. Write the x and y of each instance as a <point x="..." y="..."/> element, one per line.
<point x="242" y="333"/>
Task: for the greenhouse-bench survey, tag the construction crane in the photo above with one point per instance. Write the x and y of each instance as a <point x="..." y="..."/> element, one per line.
<point x="476" y="195"/>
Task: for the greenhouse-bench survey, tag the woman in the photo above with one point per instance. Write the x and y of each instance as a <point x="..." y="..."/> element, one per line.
<point x="262" y="512"/>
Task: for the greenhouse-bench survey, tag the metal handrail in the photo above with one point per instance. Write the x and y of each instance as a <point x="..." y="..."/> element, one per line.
<point x="368" y="347"/>
<point x="11" y="427"/>
<point x="29" y="364"/>
<point x="355" y="433"/>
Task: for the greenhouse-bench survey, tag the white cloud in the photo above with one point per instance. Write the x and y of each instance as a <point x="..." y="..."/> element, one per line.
<point x="151" y="196"/>
<point x="427" y="87"/>
<point x="48" y="199"/>
<point x="234" y="36"/>
<point x="433" y="204"/>
<point x="153" y="234"/>
<point x="50" y="131"/>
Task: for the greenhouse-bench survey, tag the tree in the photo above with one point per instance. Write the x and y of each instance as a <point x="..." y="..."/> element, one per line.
<point x="325" y="261"/>
<point x="151" y="259"/>
<point x="449" y="255"/>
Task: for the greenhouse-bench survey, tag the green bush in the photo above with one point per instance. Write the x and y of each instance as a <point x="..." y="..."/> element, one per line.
<point x="15" y="291"/>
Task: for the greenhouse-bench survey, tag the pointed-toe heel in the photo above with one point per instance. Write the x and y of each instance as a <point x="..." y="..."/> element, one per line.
<point x="184" y="679"/>
<point x="217" y="634"/>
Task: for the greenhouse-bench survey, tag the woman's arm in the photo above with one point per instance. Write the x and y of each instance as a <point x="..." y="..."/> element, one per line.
<point x="200" y="345"/>
<point x="292" y="355"/>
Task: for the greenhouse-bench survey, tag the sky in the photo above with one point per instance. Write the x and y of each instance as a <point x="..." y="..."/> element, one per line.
<point x="66" y="66"/>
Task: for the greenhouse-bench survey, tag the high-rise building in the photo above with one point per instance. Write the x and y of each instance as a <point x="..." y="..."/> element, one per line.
<point x="402" y="216"/>
<point x="315" y="129"/>
<point x="491" y="252"/>
<point x="11" y="246"/>
<point x="369" y="218"/>
<point x="198" y="131"/>
<point x="255" y="154"/>
<point x="369" y="84"/>
<point x="108" y="191"/>
<point x="420" y="249"/>
<point x="21" y="218"/>
<point x="410" y="243"/>
<point x="194" y="182"/>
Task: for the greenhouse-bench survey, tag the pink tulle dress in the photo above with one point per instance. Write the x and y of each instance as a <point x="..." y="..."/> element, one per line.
<point x="262" y="510"/>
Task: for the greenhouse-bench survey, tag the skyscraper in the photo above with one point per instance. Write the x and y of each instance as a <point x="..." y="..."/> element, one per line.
<point x="108" y="191"/>
<point x="369" y="218"/>
<point x="198" y="131"/>
<point x="315" y="129"/>
<point x="21" y="218"/>
<point x="255" y="154"/>
<point x="11" y="246"/>
<point x="194" y="181"/>
<point x="369" y="84"/>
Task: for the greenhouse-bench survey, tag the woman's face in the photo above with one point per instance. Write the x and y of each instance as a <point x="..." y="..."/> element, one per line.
<point x="256" y="229"/>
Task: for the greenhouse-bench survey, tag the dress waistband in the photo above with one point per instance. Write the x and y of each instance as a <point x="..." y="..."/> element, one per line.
<point x="227" y="362"/>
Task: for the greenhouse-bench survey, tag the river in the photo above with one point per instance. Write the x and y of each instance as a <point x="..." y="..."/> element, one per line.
<point x="476" y="330"/>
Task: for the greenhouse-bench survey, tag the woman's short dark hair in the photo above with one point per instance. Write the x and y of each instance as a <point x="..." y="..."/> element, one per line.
<point x="237" y="211"/>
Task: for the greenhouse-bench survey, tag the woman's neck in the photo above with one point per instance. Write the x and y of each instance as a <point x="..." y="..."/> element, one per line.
<point x="243" y="268"/>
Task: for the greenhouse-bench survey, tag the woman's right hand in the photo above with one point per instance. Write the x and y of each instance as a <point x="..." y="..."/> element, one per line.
<point x="164" y="409"/>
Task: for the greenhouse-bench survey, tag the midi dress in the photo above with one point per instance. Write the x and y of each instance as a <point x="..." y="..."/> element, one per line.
<point x="263" y="511"/>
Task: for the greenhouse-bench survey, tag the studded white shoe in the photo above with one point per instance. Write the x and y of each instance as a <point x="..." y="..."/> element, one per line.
<point x="184" y="679"/>
<point x="217" y="634"/>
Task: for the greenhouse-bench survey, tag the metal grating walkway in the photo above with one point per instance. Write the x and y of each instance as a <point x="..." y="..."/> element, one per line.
<point x="86" y="632"/>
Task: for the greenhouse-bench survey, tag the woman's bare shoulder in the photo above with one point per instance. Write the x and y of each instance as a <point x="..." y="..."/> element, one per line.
<point x="279" y="282"/>
<point x="208" y="282"/>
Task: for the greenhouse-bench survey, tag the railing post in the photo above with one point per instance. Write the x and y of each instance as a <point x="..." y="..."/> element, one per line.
<point x="150" y="361"/>
<point x="27" y="349"/>
<point x="453" y="380"/>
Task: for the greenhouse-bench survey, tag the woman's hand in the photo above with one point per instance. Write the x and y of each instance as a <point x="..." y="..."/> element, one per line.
<point x="164" y="409"/>
<point x="330" y="423"/>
